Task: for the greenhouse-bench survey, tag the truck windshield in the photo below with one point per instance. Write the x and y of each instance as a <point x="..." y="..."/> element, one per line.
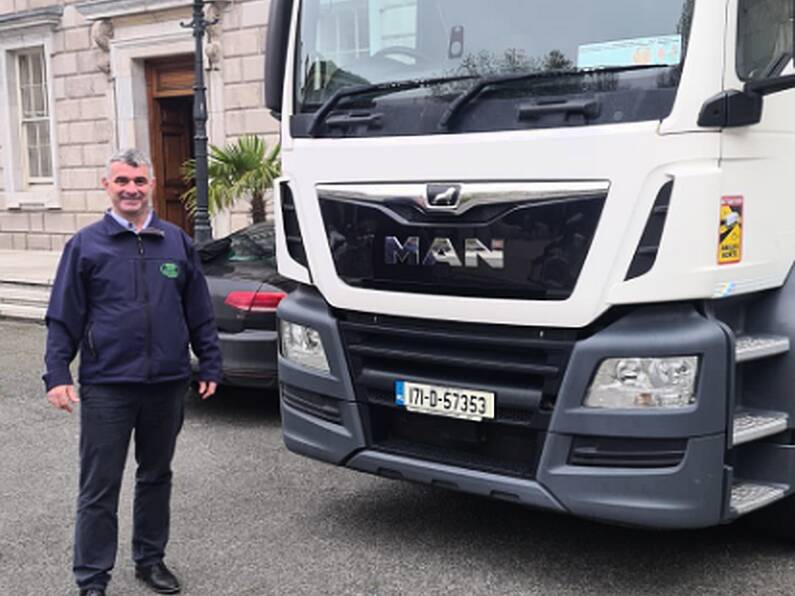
<point x="591" y="50"/>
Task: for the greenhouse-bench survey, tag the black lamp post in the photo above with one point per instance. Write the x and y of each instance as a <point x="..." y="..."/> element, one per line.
<point x="202" y="231"/>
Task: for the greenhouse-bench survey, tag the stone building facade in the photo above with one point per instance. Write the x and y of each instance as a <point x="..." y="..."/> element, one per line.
<point x="80" y="78"/>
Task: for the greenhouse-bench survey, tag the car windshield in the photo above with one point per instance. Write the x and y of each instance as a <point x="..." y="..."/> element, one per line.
<point x="363" y="42"/>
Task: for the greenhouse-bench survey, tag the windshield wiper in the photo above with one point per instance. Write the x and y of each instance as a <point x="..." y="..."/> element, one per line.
<point x="376" y="89"/>
<point x="483" y="83"/>
<point x="778" y="64"/>
<point x="587" y="108"/>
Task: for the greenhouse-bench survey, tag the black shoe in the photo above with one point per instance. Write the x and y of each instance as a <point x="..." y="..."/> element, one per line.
<point x="92" y="592"/>
<point x="158" y="578"/>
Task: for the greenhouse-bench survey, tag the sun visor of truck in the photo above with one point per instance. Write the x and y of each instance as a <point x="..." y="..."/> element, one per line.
<point x="646" y="253"/>
<point x="276" y="52"/>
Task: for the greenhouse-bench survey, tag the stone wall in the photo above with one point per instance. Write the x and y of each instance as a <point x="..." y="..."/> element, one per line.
<point x="85" y="112"/>
<point x="85" y="129"/>
<point x="243" y="41"/>
<point x="2" y="179"/>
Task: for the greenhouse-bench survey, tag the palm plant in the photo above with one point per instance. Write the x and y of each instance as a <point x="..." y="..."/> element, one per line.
<point x="241" y="169"/>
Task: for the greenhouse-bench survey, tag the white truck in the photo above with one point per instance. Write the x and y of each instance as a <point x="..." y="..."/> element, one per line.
<point x="544" y="249"/>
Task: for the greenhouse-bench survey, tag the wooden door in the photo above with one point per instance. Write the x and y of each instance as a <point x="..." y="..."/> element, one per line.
<point x="170" y="90"/>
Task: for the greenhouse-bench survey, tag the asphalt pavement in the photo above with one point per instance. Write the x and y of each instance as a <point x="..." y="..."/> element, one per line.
<point x="251" y="518"/>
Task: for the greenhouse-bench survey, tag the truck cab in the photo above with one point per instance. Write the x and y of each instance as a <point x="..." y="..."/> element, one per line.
<point x="542" y="248"/>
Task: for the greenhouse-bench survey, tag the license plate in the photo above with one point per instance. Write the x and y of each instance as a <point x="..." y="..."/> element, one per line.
<point x="468" y="404"/>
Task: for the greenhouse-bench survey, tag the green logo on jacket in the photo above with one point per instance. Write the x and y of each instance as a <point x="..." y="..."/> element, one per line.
<point x="169" y="270"/>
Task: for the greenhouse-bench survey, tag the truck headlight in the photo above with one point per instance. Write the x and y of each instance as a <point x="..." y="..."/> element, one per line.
<point x="644" y="383"/>
<point x="303" y="346"/>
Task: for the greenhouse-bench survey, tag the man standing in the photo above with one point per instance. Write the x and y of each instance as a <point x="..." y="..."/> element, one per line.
<point x="130" y="295"/>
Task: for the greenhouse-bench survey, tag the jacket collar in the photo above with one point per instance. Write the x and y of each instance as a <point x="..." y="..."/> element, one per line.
<point x="154" y="229"/>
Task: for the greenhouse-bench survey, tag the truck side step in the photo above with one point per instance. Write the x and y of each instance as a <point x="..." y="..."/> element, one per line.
<point x="750" y="425"/>
<point x="753" y="347"/>
<point x="747" y="496"/>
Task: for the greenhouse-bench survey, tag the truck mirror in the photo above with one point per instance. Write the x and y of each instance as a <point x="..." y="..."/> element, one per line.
<point x="731" y="109"/>
<point x="742" y="108"/>
<point x="276" y="53"/>
<point x="734" y="107"/>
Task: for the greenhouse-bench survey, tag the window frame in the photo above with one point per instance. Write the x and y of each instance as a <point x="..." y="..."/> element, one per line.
<point x="19" y="193"/>
<point x="334" y="46"/>
<point x="24" y="140"/>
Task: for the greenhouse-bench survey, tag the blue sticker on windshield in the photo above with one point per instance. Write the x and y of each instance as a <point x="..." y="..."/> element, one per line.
<point x="662" y="50"/>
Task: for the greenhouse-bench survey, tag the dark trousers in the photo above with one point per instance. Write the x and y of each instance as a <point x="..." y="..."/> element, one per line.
<point x="109" y="414"/>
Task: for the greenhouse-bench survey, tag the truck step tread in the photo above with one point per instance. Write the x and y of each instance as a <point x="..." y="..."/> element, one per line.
<point x="750" y="425"/>
<point x="754" y="347"/>
<point x="748" y="496"/>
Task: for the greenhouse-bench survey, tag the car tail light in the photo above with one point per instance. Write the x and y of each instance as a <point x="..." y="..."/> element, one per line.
<point x="254" y="301"/>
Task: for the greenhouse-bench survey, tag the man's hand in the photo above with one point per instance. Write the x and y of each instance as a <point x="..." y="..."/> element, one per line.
<point x="207" y="388"/>
<point x="62" y="397"/>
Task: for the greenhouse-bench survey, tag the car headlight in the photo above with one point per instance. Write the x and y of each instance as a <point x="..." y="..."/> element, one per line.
<point x="303" y="346"/>
<point x="644" y="383"/>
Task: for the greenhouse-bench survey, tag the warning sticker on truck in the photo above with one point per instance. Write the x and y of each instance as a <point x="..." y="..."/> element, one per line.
<point x="730" y="239"/>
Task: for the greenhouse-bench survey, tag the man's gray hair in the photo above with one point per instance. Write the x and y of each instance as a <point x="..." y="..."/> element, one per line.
<point x="132" y="157"/>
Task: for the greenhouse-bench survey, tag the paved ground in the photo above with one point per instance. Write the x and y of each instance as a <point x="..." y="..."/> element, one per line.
<point x="251" y="518"/>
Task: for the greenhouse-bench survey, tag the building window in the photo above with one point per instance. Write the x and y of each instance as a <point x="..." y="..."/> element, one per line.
<point x="34" y="116"/>
<point x="395" y="24"/>
<point x="28" y="135"/>
<point x="352" y="29"/>
<point x="342" y="30"/>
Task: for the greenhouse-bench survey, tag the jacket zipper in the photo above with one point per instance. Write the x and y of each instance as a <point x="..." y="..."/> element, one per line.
<point x="90" y="337"/>
<point x="142" y="273"/>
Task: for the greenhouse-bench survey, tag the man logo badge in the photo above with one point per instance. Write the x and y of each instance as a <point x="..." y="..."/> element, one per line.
<point x="442" y="251"/>
<point x="443" y="196"/>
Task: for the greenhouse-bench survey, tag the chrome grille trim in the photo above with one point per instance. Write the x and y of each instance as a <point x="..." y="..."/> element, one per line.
<point x="472" y="194"/>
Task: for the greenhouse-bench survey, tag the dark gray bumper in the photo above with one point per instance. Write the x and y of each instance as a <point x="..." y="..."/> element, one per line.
<point x="690" y="494"/>
<point x="249" y="358"/>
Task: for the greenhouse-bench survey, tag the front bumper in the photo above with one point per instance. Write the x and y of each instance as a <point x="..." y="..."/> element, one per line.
<point x="323" y="419"/>
<point x="249" y="358"/>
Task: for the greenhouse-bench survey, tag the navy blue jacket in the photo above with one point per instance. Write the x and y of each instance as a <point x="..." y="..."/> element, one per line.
<point x="131" y="303"/>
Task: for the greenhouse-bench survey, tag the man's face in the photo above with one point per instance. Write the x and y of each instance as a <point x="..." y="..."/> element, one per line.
<point x="129" y="189"/>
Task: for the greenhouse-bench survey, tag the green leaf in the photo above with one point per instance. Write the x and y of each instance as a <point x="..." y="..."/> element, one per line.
<point x="243" y="169"/>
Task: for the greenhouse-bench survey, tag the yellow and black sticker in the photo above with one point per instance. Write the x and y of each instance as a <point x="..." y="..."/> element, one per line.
<point x="730" y="239"/>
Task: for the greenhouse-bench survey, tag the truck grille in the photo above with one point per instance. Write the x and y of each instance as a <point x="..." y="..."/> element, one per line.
<point x="612" y="452"/>
<point x="292" y="230"/>
<point x="385" y="243"/>
<point x="649" y="246"/>
<point x="314" y="404"/>
<point x="512" y="450"/>
<point x="522" y="366"/>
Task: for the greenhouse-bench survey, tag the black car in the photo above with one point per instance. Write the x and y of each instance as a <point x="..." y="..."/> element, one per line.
<point x="246" y="288"/>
